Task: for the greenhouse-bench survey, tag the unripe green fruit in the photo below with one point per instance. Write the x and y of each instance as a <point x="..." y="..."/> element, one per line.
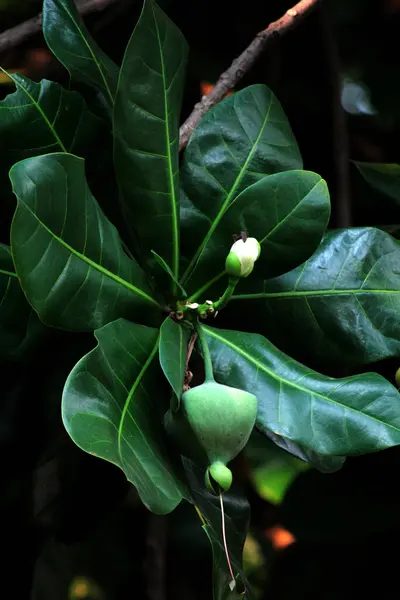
<point x="182" y="436"/>
<point x="222" y="419"/>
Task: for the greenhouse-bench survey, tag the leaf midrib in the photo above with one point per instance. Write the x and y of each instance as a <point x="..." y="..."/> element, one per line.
<point x="89" y="261"/>
<point x="174" y="212"/>
<point x="308" y="293"/>
<point x="133" y="389"/>
<point x="279" y="379"/>
<point x="38" y="108"/>
<point x="289" y="213"/>
<point x="98" y="65"/>
<point x="227" y="201"/>
<point x="264" y="239"/>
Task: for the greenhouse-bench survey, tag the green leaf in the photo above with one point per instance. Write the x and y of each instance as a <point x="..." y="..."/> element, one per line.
<point x="174" y="340"/>
<point x="146" y="128"/>
<point x="70" y="41"/>
<point x="221" y="577"/>
<point x="68" y="256"/>
<point x="321" y="462"/>
<point x="111" y="408"/>
<point x="344" y="301"/>
<point x="287" y="213"/>
<point x="43" y="117"/>
<point x="336" y="417"/>
<point x="167" y="269"/>
<point x="237" y="518"/>
<point x="238" y="142"/>
<point x="383" y="177"/>
<point x="14" y="310"/>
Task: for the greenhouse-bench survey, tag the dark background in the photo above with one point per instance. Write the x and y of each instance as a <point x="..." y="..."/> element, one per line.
<point x="71" y="526"/>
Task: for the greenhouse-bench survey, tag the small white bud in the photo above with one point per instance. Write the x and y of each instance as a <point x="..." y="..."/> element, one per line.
<point x="242" y="256"/>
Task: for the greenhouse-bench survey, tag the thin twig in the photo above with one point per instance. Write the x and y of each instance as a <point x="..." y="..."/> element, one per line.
<point x="341" y="153"/>
<point x="190" y="349"/>
<point x="20" y="33"/>
<point x="243" y="63"/>
<point x="188" y="373"/>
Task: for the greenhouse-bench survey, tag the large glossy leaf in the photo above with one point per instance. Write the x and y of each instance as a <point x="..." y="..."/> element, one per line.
<point x="237" y="518"/>
<point x="336" y="417"/>
<point x="344" y="301"/>
<point x="42" y="117"/>
<point x="68" y="256"/>
<point x="383" y="177"/>
<point x="238" y="142"/>
<point x="70" y="41"/>
<point x="39" y="118"/>
<point x="146" y="127"/>
<point x="14" y="310"/>
<point x="287" y="213"/>
<point x="174" y="340"/>
<point x="321" y="462"/>
<point x="112" y="408"/>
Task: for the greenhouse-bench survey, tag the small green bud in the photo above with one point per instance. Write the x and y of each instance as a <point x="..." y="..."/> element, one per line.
<point x="242" y="256"/>
<point x="219" y="473"/>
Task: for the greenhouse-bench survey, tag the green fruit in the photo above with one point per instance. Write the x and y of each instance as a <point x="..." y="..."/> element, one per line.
<point x="221" y="474"/>
<point x="222" y="419"/>
<point x="183" y="438"/>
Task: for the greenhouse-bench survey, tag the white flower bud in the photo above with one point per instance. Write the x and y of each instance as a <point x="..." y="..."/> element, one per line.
<point x="242" y="256"/>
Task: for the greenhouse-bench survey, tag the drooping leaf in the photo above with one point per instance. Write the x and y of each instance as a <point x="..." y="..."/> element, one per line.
<point x="112" y="408"/>
<point x="287" y="213"/>
<point x="237" y="518"/>
<point x="174" y="340"/>
<point x="345" y="300"/>
<point x="43" y="117"/>
<point x="321" y="462"/>
<point x="14" y="309"/>
<point x="70" y="41"/>
<point x="40" y="118"/>
<point x="336" y="417"/>
<point x="222" y="579"/>
<point x="68" y="256"/>
<point x="238" y="142"/>
<point x="146" y="128"/>
<point x="383" y="177"/>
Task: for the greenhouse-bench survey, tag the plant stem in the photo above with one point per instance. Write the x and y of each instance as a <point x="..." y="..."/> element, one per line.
<point x="206" y="353"/>
<point x="250" y="296"/>
<point x="227" y="294"/>
<point x="213" y="307"/>
<point x="233" y="582"/>
<point x="205" y="287"/>
<point x="23" y="31"/>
